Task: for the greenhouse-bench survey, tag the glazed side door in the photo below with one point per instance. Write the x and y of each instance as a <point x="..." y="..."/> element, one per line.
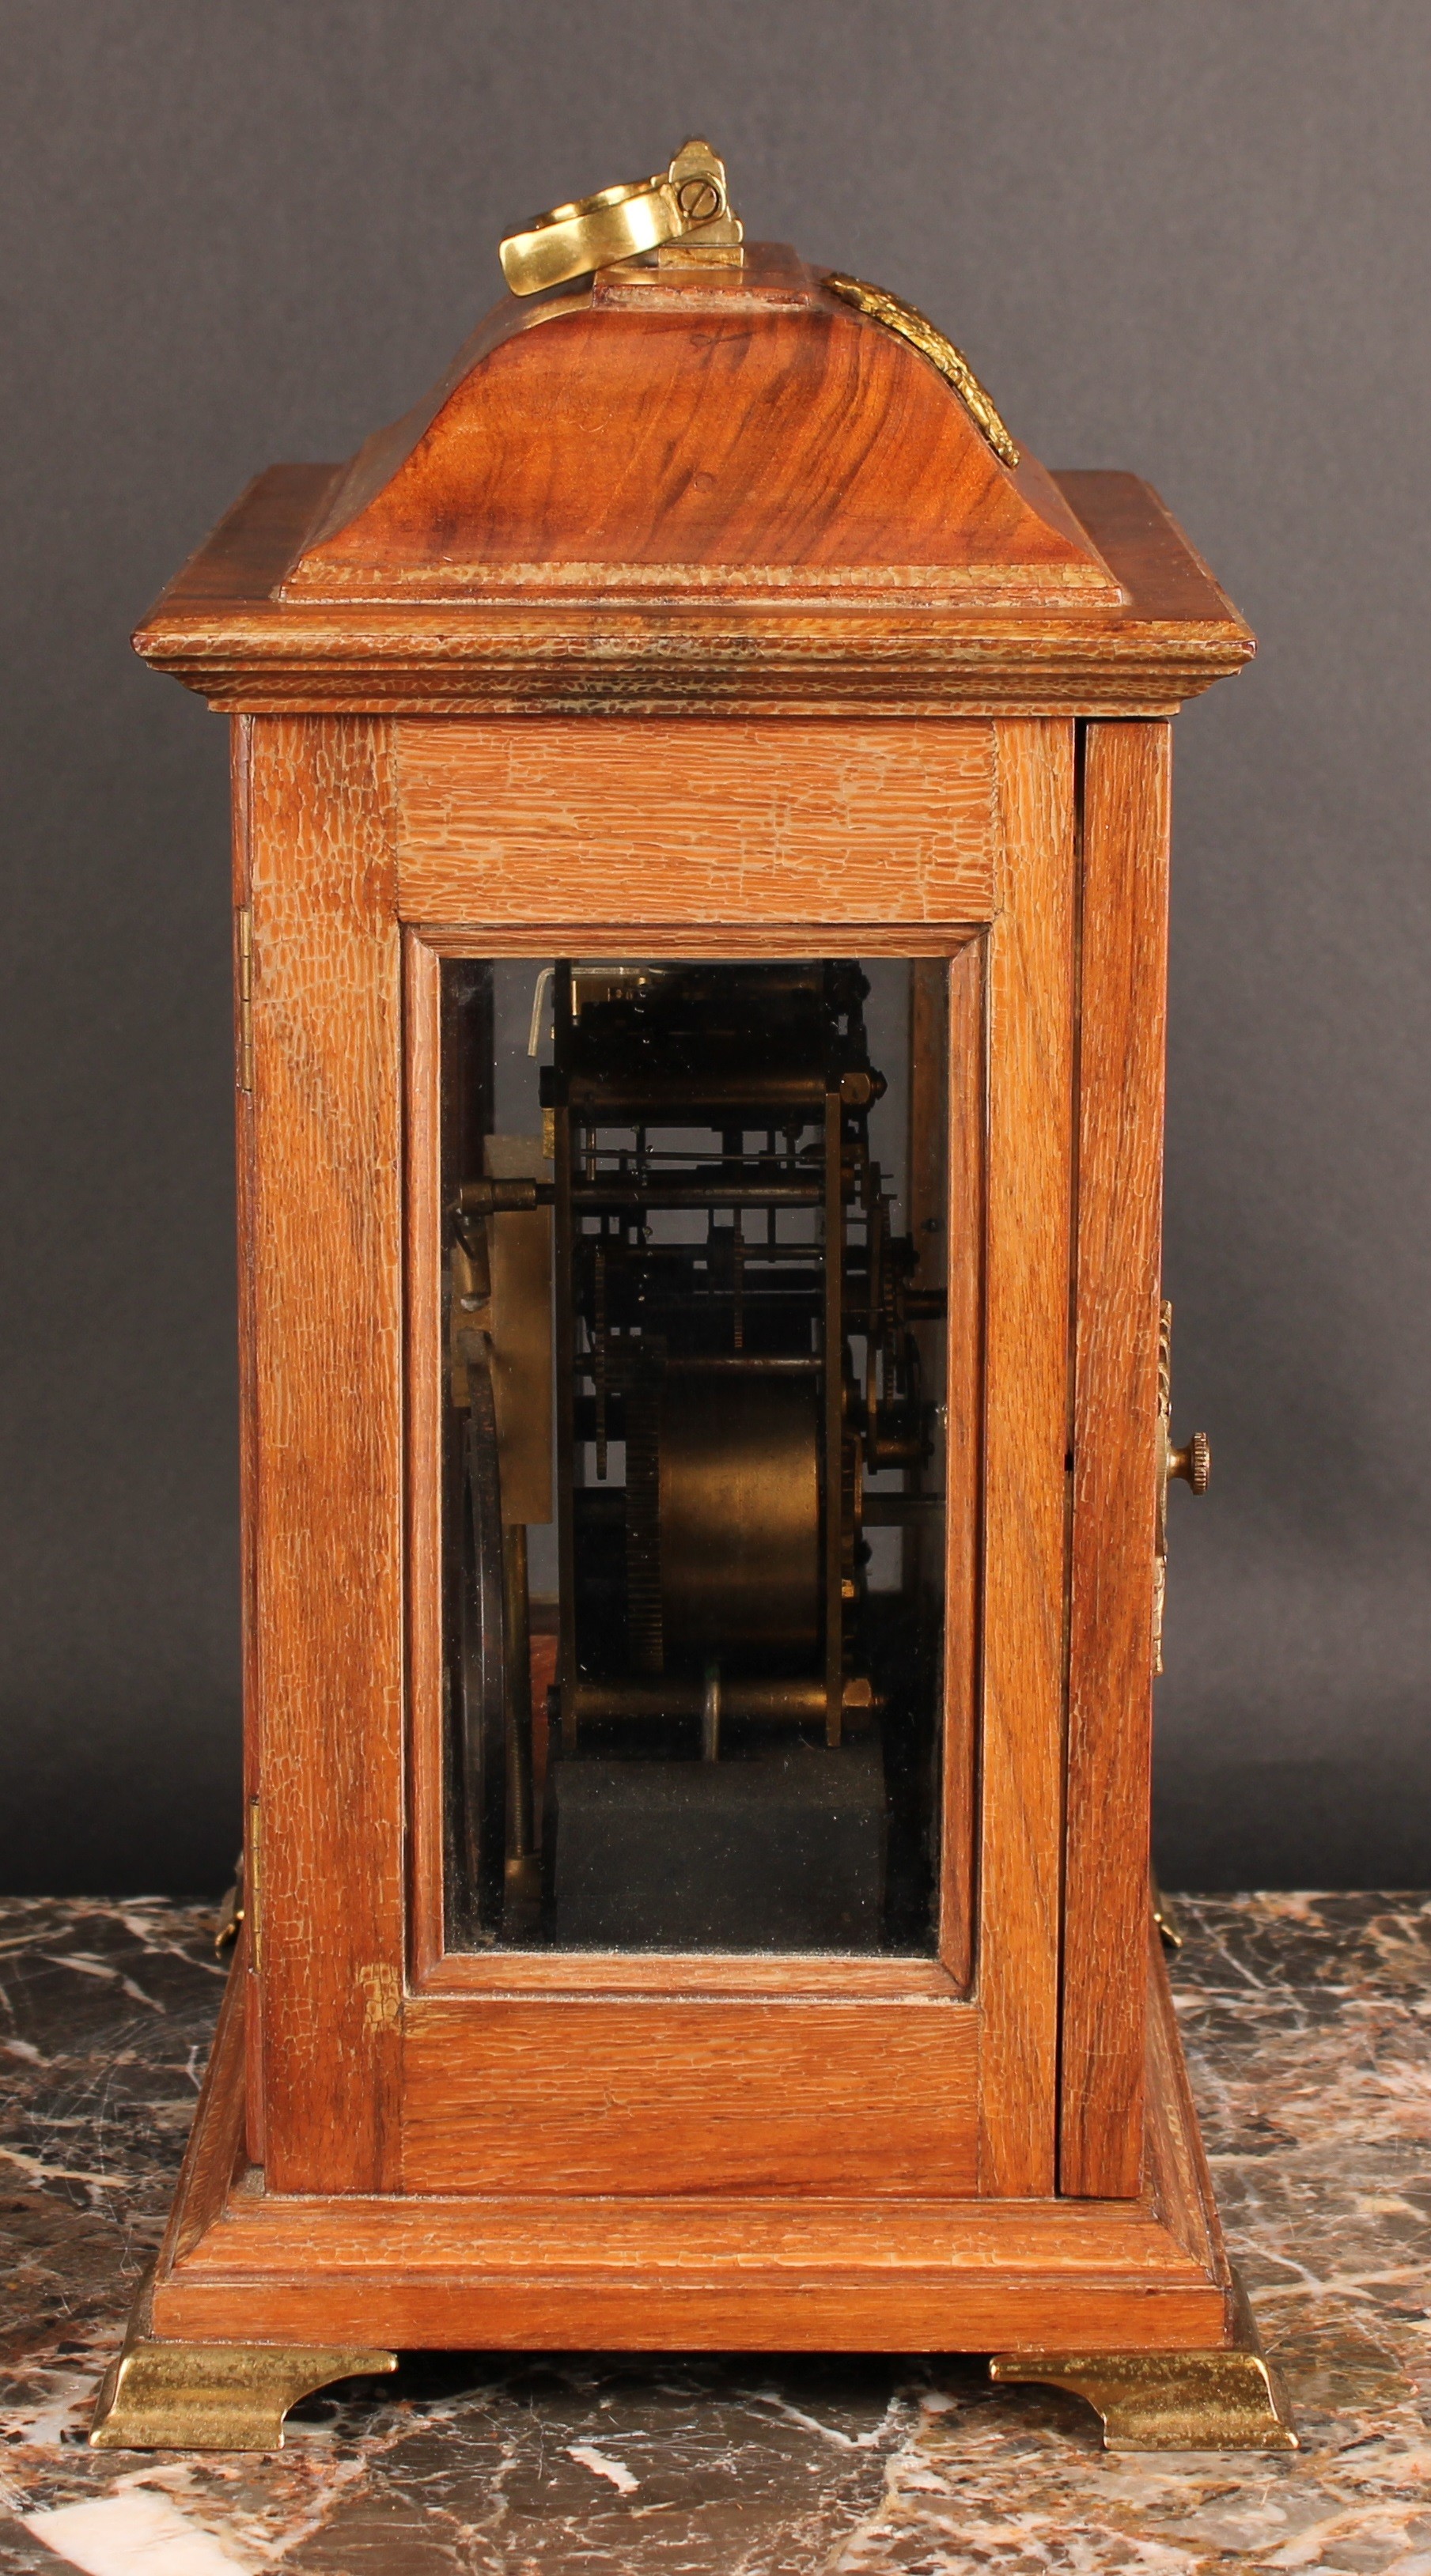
<point x="388" y="2062"/>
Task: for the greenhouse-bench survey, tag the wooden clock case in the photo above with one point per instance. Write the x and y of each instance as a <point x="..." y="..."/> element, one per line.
<point x="694" y="615"/>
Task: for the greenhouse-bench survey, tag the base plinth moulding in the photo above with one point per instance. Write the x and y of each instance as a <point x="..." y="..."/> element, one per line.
<point x="259" y="2298"/>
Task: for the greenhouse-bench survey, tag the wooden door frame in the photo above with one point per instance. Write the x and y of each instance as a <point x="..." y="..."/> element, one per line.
<point x="326" y="1360"/>
<point x="436" y="1970"/>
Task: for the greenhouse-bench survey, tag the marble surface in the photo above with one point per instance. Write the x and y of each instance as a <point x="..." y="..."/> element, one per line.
<point x="1308" y="2025"/>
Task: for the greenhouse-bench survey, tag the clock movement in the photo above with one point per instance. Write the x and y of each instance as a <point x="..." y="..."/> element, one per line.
<point x="701" y="821"/>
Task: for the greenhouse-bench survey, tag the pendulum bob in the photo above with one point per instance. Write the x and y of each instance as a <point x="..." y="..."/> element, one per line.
<point x="739" y="1516"/>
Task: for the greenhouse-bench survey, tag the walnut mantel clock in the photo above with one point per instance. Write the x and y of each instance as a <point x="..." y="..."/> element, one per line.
<point x="701" y="845"/>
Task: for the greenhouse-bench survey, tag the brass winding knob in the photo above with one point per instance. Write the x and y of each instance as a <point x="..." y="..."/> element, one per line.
<point x="1193" y="1464"/>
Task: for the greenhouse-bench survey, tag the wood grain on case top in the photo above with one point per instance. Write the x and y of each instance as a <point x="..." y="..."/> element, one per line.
<point x="326" y="1251"/>
<point x="620" y="446"/>
<point x="1120" y="1151"/>
<point x="221" y="629"/>
<point x="520" y="821"/>
<point x="1030" y="1005"/>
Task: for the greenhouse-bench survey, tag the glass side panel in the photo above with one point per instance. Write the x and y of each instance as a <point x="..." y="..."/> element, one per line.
<point x="695" y="1261"/>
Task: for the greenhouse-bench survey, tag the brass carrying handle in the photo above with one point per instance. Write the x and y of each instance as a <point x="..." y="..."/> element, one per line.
<point x="688" y="201"/>
<point x="1193" y="1464"/>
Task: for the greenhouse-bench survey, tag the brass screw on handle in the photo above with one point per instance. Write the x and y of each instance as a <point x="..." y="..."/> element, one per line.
<point x="1193" y="1464"/>
<point x="699" y="200"/>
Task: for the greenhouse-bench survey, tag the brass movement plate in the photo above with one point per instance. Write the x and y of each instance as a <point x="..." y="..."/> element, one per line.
<point x="1228" y="2400"/>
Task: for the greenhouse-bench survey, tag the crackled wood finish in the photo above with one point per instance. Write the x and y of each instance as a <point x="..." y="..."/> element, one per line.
<point x="513" y="822"/>
<point x="1028" y="1183"/>
<point x="471" y="2089"/>
<point x="1123" y="971"/>
<point x="324" y="1263"/>
<point x="1017" y="794"/>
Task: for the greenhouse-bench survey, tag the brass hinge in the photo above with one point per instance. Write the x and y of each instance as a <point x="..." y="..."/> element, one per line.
<point x="230" y="1915"/>
<point x="253" y="1884"/>
<point x="244" y="952"/>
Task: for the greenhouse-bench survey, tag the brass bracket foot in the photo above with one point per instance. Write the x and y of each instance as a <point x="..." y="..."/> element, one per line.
<point x="161" y="2396"/>
<point x="1165" y="1918"/>
<point x="1227" y="2400"/>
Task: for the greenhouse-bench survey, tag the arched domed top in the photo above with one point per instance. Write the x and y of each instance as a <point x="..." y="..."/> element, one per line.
<point x="667" y="433"/>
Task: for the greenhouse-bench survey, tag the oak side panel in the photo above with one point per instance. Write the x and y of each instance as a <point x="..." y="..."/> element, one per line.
<point x="638" y="2096"/>
<point x="326" y="1251"/>
<point x="743" y="2267"/>
<point x="515" y="821"/>
<point x="1174" y="2158"/>
<point x="1120" y="1139"/>
<point x="216" y="2152"/>
<point x="1030" y="1008"/>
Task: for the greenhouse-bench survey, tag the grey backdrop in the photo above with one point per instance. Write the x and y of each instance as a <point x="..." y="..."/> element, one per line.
<point x="1187" y="238"/>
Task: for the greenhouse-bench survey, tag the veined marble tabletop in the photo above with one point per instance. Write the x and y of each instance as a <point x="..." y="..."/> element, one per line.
<point x="1308" y="2026"/>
